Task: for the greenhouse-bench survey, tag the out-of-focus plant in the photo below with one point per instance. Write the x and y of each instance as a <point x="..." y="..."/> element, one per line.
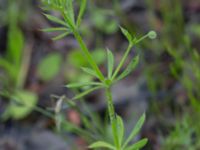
<point x="49" y="66"/>
<point x="176" y="44"/>
<point x="70" y="24"/>
<point x="14" y="65"/>
<point x="183" y="136"/>
<point x="181" y="66"/>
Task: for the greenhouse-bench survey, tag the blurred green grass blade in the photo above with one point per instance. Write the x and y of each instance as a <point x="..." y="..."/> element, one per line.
<point x="15" y="45"/>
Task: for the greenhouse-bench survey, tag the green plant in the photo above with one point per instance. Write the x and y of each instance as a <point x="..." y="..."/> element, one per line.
<point x="181" y="67"/>
<point x="185" y="134"/>
<point x="70" y="25"/>
<point x="14" y="65"/>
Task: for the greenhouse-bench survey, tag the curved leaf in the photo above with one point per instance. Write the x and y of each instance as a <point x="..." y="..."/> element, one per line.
<point x="101" y="144"/>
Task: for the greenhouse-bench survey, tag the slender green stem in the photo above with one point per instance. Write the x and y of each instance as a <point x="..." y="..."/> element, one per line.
<point x="83" y="47"/>
<point x="122" y="61"/>
<point x="111" y="112"/>
<point x="111" y="109"/>
<point x="88" y="55"/>
<point x="142" y="38"/>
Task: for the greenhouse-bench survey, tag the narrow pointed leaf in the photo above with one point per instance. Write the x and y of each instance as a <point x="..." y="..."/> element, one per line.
<point x="90" y="72"/>
<point x="76" y="85"/>
<point x="115" y="132"/>
<point x="86" y="93"/>
<point x="110" y="59"/>
<point x="129" y="68"/>
<point x="120" y="125"/>
<point x="135" y="130"/>
<point x="126" y="34"/>
<point x="60" y="36"/>
<point x="102" y="144"/>
<point x="81" y="11"/>
<point x="70" y="10"/>
<point x="54" y="29"/>
<point x="56" y="20"/>
<point x="138" y="145"/>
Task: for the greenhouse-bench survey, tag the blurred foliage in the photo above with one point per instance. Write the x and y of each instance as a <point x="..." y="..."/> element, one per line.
<point x="49" y="67"/>
<point x="176" y="62"/>
<point x="14" y="67"/>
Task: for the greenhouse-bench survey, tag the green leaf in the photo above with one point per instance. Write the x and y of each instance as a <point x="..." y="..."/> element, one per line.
<point x="81" y="12"/>
<point x="56" y="20"/>
<point x="115" y="132"/>
<point x="90" y="71"/>
<point x="120" y="126"/>
<point x="15" y="46"/>
<point x="22" y="103"/>
<point x="49" y="67"/>
<point x="135" y="130"/>
<point x="60" y="36"/>
<point x="86" y="93"/>
<point x="138" y="145"/>
<point x="54" y="29"/>
<point x="102" y="144"/>
<point x="129" y="68"/>
<point x="127" y="34"/>
<point x="70" y="10"/>
<point x="77" y="85"/>
<point x="110" y="59"/>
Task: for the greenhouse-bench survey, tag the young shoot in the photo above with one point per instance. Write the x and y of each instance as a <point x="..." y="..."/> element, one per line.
<point x="70" y="24"/>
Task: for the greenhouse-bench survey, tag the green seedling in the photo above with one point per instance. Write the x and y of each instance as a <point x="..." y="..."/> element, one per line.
<point x="70" y="24"/>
